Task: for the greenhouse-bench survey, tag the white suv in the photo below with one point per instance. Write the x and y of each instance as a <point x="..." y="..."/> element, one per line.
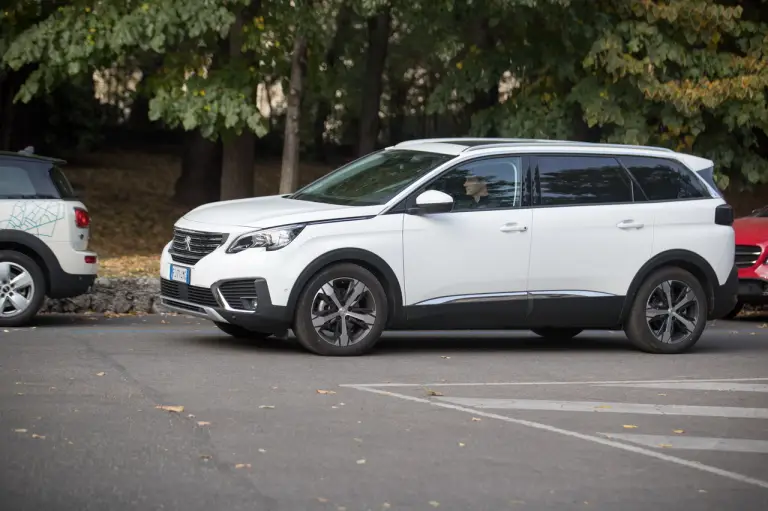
<point x="44" y="233"/>
<point x="444" y="234"/>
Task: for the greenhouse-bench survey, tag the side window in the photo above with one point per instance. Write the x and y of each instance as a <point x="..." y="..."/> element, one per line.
<point x="576" y="180"/>
<point x="663" y="179"/>
<point x="493" y="183"/>
<point x="14" y="181"/>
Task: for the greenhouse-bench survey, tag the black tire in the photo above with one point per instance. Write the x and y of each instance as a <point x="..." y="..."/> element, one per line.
<point x="557" y="333"/>
<point x="373" y="306"/>
<point x="638" y="329"/>
<point x="240" y="332"/>
<point x="37" y="291"/>
<point x="735" y="311"/>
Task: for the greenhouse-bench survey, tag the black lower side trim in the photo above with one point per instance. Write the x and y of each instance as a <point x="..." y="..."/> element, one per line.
<point x="273" y="319"/>
<point x="67" y="285"/>
<point x="545" y="311"/>
<point x="753" y="291"/>
<point x="588" y="312"/>
<point x="725" y="296"/>
<point x="482" y="315"/>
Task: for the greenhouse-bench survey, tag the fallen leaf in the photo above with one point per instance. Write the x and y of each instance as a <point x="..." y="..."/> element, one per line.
<point x="203" y="423"/>
<point x="266" y="406"/>
<point x="603" y="406"/>
<point x="702" y="491"/>
<point x="360" y="462"/>
<point x="341" y="508"/>
<point x="443" y="356"/>
<point x="476" y="419"/>
<point x="205" y="456"/>
<point x="320" y="391"/>
<point x="461" y="444"/>
<point x="385" y="505"/>
<point x="101" y="373"/>
<point x="321" y="499"/>
<point x="19" y="430"/>
<point x="177" y="409"/>
<point x="763" y="325"/>
<point x="665" y="445"/>
<point x="262" y="450"/>
<point x="661" y="394"/>
<point x="431" y="392"/>
<point x="243" y="465"/>
<point x="357" y="439"/>
<point x="679" y="431"/>
<point x="630" y="426"/>
<point x="6" y="331"/>
<point x="434" y="503"/>
<point x="35" y="435"/>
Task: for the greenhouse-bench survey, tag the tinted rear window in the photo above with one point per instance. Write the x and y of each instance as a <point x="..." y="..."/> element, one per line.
<point x="664" y="179"/>
<point x="25" y="179"/>
<point x="574" y="180"/>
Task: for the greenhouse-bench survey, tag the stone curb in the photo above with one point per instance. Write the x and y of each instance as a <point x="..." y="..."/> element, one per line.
<point x="118" y="295"/>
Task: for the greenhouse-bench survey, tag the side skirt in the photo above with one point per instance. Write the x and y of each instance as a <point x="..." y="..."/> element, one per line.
<point x="521" y="311"/>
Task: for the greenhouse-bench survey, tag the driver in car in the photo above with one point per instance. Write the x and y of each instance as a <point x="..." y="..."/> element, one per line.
<point x="477" y="189"/>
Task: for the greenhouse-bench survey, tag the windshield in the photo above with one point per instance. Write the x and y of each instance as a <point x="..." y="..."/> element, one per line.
<point x="372" y="180"/>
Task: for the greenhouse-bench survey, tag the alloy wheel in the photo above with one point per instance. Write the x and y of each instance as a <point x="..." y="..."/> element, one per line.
<point x="343" y="311"/>
<point x="17" y="288"/>
<point x="672" y="311"/>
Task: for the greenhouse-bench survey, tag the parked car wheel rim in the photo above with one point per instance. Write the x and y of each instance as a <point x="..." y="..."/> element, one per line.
<point x="17" y="288"/>
<point x="343" y="312"/>
<point x="672" y="311"/>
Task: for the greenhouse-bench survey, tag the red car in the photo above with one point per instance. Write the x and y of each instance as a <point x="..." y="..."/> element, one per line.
<point x="751" y="259"/>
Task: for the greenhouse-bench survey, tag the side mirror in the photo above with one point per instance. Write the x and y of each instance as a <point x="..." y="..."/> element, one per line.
<point x="432" y="201"/>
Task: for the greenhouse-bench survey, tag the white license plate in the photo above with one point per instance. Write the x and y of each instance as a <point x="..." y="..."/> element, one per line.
<point x="180" y="274"/>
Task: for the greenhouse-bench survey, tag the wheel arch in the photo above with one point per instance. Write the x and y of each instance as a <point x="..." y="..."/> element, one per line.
<point x="685" y="259"/>
<point x="368" y="260"/>
<point x="32" y="247"/>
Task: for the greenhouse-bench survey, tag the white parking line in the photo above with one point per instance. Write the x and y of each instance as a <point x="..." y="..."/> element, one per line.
<point x="607" y="407"/>
<point x="573" y="434"/>
<point x="535" y="383"/>
<point x="696" y="385"/>
<point x="697" y="443"/>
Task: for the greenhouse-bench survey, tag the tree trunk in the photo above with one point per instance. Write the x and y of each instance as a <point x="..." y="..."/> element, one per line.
<point x="238" y="152"/>
<point x="376" y="56"/>
<point x="399" y="99"/>
<point x="289" y="174"/>
<point x="7" y="92"/>
<point x="200" y="179"/>
<point x="324" y="107"/>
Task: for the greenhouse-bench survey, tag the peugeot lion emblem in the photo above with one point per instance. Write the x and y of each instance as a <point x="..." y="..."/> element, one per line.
<point x="188" y="243"/>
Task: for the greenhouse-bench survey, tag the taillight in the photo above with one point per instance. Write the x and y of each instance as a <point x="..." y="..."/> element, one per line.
<point x="90" y="259"/>
<point x="82" y="218"/>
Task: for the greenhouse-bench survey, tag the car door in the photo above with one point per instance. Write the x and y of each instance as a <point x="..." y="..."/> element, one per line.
<point x="592" y="238"/>
<point x="468" y="268"/>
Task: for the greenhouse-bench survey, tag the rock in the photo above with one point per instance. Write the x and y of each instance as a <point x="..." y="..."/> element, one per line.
<point x="120" y="295"/>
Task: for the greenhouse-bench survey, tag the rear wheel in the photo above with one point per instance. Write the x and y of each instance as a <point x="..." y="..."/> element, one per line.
<point x="22" y="288"/>
<point x="557" y="333"/>
<point x="669" y="312"/>
<point x="341" y="311"/>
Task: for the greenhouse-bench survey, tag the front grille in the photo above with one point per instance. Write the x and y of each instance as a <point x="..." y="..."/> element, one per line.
<point x="234" y="290"/>
<point x="200" y="245"/>
<point x="193" y="294"/>
<point x="747" y="255"/>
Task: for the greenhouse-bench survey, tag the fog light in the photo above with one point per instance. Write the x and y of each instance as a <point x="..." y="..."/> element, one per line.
<point x="249" y="304"/>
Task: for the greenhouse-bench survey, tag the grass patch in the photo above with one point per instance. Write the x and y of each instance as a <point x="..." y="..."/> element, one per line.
<point x="130" y="198"/>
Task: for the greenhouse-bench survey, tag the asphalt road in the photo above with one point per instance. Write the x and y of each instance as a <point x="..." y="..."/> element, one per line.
<point x="458" y="421"/>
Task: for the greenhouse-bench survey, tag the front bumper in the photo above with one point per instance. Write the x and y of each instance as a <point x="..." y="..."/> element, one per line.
<point x="210" y="304"/>
<point x="725" y="296"/>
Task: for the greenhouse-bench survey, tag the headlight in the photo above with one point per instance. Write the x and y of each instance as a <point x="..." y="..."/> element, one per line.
<point x="271" y="239"/>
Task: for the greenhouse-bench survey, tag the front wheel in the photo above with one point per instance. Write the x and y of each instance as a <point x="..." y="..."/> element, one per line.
<point x="669" y="312"/>
<point x="22" y="288"/>
<point x="341" y="311"/>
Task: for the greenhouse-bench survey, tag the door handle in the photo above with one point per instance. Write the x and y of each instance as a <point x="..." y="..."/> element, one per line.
<point x="629" y="224"/>
<point x="513" y="227"/>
